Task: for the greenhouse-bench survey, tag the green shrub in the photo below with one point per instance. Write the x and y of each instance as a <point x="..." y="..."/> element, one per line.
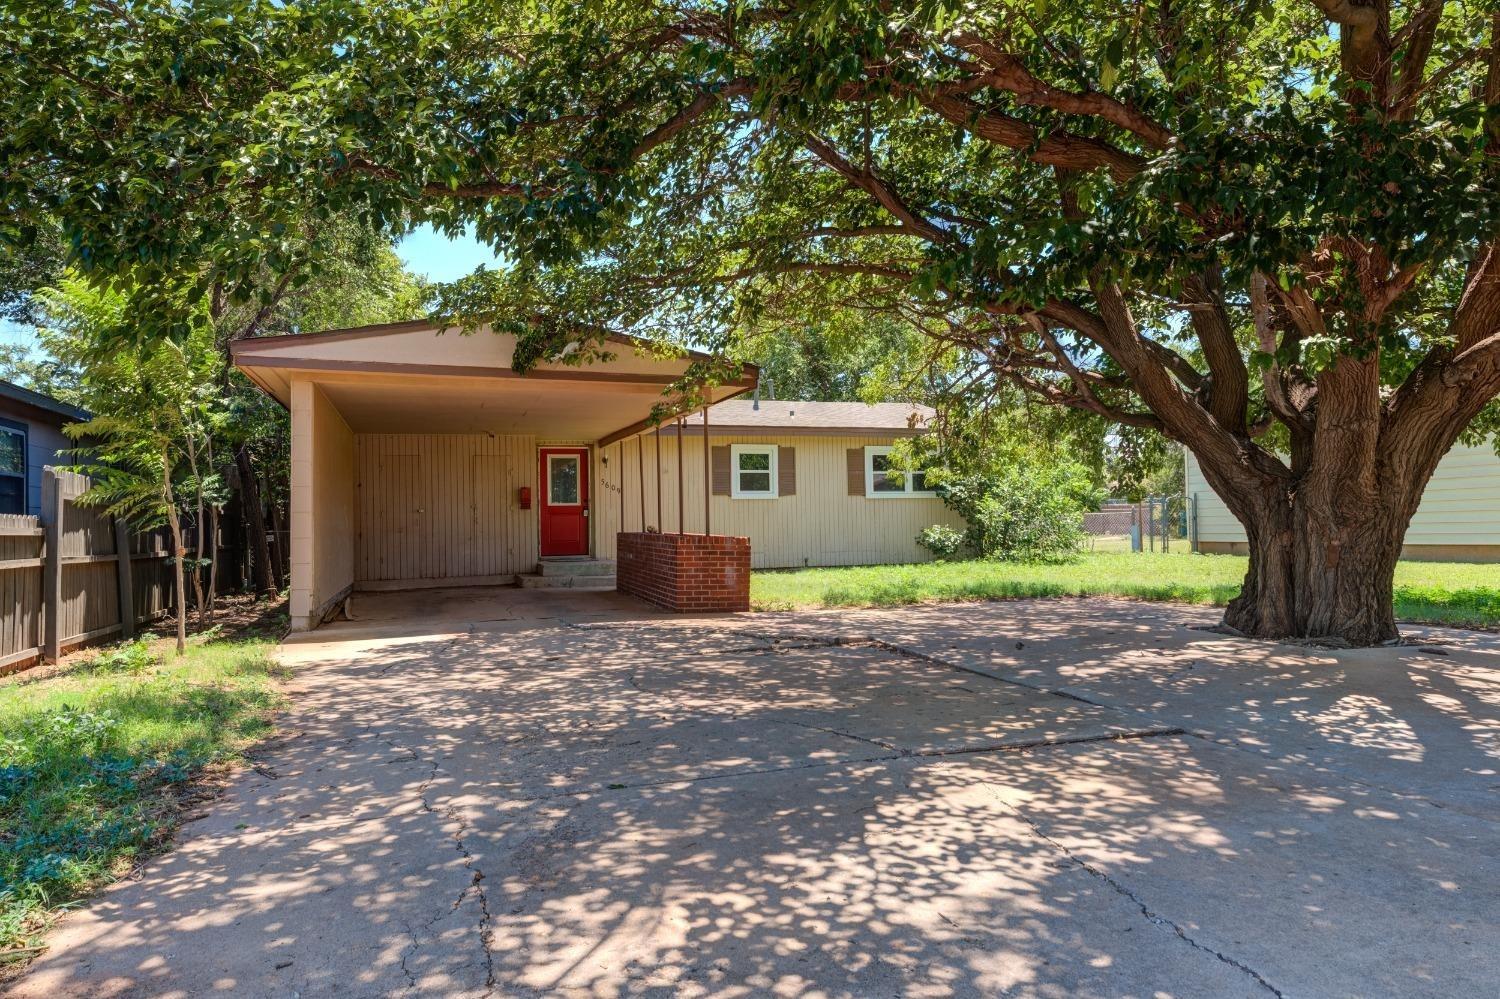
<point x="943" y="541"/>
<point x="134" y="658"/>
<point x="1023" y="514"/>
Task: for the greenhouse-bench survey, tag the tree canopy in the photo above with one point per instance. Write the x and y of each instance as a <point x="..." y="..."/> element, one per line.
<point x="1265" y="228"/>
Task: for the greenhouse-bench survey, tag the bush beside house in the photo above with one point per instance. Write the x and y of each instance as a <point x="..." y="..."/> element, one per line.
<point x="1030" y="514"/>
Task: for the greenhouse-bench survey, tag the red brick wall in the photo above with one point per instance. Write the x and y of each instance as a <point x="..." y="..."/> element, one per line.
<point x="685" y="572"/>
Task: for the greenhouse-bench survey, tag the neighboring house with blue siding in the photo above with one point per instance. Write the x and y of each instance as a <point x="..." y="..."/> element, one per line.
<point x="30" y="437"/>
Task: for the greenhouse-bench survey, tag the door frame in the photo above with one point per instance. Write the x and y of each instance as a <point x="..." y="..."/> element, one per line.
<point x="585" y="455"/>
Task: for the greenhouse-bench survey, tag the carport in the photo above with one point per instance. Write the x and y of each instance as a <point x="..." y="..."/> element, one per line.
<point x="420" y="458"/>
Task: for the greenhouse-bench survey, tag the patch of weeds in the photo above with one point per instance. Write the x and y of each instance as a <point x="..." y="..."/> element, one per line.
<point x="134" y="657"/>
<point x="90" y="763"/>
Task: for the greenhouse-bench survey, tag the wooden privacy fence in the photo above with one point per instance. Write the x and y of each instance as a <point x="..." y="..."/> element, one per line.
<point x="75" y="575"/>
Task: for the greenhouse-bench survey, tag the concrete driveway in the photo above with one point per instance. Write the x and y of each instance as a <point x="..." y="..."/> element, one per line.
<point x="1048" y="798"/>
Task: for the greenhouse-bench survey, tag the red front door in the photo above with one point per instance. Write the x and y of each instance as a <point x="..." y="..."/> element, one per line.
<point x="565" y="500"/>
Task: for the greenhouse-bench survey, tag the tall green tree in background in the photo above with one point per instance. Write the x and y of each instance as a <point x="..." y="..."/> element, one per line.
<point x="156" y="409"/>
<point x="26" y="266"/>
<point x="841" y="356"/>
<point x="1142" y="462"/>
<point x="344" y="274"/>
<point x="1269" y="231"/>
<point x="358" y="280"/>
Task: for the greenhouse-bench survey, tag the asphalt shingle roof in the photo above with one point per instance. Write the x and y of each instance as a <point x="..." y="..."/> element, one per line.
<point x="783" y="413"/>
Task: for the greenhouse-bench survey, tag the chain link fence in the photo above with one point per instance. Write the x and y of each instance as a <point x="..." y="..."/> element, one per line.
<point x="1156" y="523"/>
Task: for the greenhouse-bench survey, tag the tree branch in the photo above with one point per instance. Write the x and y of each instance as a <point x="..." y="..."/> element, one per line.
<point x="1434" y="405"/>
<point x="880" y="190"/>
<point x="1358" y="17"/>
<point x="1059" y="148"/>
<point x="694" y="110"/>
<point x="1229" y="391"/>
<point x="1006" y="72"/>
<point x="1364" y="45"/>
<point x="1417" y="36"/>
<point x="1278" y="399"/>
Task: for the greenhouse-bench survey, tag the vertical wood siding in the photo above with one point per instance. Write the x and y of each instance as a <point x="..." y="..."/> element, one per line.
<point x="821" y="525"/>
<point x="444" y="506"/>
<point x="441" y="506"/>
<point x="20" y="590"/>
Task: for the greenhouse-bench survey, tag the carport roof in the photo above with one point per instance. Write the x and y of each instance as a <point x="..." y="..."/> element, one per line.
<point x="416" y="378"/>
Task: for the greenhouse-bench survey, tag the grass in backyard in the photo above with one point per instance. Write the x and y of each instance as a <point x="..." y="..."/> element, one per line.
<point x="1463" y="594"/>
<point x="94" y="759"/>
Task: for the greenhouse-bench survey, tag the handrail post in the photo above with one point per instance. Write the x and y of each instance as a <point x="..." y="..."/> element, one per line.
<point x="707" y="476"/>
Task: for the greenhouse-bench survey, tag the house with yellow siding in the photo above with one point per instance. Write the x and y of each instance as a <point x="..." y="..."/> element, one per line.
<point x="420" y="459"/>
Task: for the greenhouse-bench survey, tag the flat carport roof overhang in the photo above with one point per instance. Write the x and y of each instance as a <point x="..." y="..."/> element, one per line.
<point x="410" y="378"/>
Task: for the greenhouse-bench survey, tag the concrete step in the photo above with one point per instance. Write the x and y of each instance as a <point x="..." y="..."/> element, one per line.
<point x="575" y="567"/>
<point x="537" y="581"/>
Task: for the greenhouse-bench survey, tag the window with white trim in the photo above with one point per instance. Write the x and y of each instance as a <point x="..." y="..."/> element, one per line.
<point x="886" y="479"/>
<point x="12" y="467"/>
<point x="752" y="471"/>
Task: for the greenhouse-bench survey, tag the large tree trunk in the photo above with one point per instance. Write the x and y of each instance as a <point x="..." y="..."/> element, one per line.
<point x="1267" y="603"/>
<point x="1325" y="531"/>
<point x="1345" y="575"/>
<point x="263" y="579"/>
<point x="1313" y="579"/>
<point x="1324" y="543"/>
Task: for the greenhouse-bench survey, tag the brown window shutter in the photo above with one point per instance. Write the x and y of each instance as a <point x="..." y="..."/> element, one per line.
<point x="856" y="457"/>
<point x="721" y="471"/>
<point x="786" y="471"/>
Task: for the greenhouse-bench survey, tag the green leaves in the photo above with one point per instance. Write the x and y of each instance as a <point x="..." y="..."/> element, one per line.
<point x="656" y="169"/>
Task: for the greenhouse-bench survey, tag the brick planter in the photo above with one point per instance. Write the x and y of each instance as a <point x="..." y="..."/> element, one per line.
<point x="685" y="572"/>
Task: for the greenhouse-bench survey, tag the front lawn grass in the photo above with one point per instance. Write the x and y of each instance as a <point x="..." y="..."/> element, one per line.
<point x="1457" y="593"/>
<point x="94" y="759"/>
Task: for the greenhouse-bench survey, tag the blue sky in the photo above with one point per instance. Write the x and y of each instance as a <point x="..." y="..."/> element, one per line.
<point x="424" y="252"/>
<point x="439" y="258"/>
<point x="11" y="333"/>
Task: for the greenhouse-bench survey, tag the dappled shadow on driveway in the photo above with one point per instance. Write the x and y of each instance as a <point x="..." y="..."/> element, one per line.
<point x="1421" y="719"/>
<point x="823" y="804"/>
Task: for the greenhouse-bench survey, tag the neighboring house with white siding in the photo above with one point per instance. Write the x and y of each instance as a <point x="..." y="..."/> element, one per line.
<point x="422" y="460"/>
<point x="1458" y="520"/>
